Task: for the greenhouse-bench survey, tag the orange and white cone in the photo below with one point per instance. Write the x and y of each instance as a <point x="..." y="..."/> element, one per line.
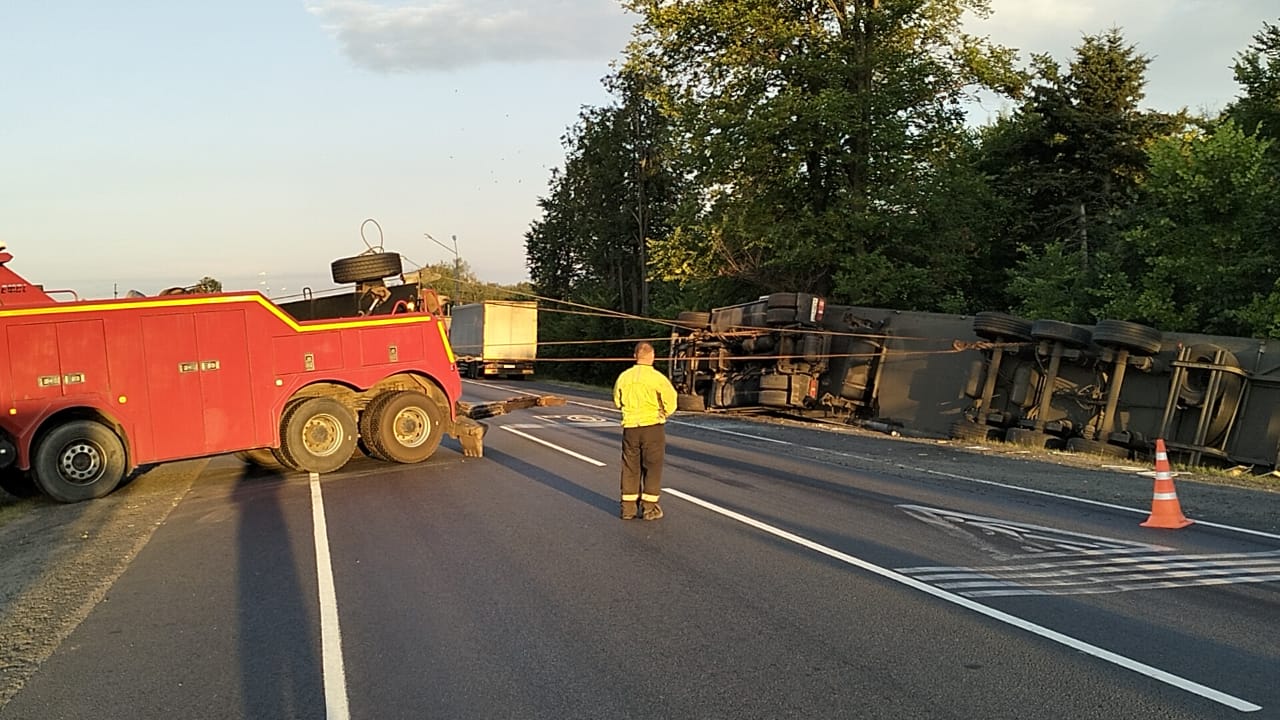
<point x="1166" y="511"/>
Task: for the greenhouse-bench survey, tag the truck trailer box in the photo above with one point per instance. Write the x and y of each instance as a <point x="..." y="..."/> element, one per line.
<point x="495" y="338"/>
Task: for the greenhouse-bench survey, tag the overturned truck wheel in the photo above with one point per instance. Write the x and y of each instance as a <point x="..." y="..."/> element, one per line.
<point x="969" y="431"/>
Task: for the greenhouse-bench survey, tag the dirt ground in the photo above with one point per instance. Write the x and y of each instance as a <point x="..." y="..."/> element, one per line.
<point x="60" y="561"/>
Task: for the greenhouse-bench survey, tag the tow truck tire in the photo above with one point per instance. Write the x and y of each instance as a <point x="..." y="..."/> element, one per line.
<point x="402" y="427"/>
<point x="317" y="435"/>
<point x="262" y="457"/>
<point x="78" y="461"/>
<point x="17" y="483"/>
<point x="362" y="268"/>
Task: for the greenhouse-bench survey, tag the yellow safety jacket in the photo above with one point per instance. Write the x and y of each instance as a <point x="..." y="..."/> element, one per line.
<point x="644" y="395"/>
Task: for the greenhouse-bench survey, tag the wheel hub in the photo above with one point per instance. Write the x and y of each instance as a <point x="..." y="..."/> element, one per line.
<point x="81" y="463"/>
<point x="322" y="435"/>
<point x="412" y="427"/>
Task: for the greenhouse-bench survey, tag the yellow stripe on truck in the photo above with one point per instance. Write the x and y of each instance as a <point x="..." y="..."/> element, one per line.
<point x="444" y="338"/>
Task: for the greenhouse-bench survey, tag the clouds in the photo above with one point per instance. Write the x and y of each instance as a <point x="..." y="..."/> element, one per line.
<point x="429" y="35"/>
<point x="1192" y="43"/>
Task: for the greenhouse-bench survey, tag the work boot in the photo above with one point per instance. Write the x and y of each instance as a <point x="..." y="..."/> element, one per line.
<point x="628" y="510"/>
<point x="652" y="512"/>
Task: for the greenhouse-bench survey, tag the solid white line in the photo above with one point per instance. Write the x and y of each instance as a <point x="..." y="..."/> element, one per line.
<point x="722" y="431"/>
<point x="1015" y="488"/>
<point x="553" y="446"/>
<point x="1044" y="632"/>
<point x="335" y="677"/>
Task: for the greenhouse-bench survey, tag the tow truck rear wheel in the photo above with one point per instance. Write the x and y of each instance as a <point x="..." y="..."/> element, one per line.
<point x="317" y="435"/>
<point x="80" y="460"/>
<point x="262" y="457"/>
<point x="402" y="427"/>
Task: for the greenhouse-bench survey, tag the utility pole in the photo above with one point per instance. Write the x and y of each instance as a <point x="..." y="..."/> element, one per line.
<point x="457" y="264"/>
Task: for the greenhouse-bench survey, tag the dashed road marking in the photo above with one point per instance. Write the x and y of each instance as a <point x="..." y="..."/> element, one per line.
<point x="1053" y="635"/>
<point x="553" y="446"/>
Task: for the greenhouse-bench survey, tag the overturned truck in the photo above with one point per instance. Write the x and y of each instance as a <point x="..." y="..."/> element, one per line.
<point x="1109" y="389"/>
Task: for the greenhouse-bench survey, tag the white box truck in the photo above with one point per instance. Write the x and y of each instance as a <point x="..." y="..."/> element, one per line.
<point x="495" y="338"/>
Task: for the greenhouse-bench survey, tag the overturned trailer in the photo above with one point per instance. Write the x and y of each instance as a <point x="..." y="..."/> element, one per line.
<point x="1110" y="388"/>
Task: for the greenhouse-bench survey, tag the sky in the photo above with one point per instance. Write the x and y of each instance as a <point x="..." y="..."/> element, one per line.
<point x="148" y="143"/>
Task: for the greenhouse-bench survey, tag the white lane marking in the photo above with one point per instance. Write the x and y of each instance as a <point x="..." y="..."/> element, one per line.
<point x="1099" y="576"/>
<point x="1097" y="503"/>
<point x="1030" y="537"/>
<point x="731" y="432"/>
<point x="1053" y="635"/>
<point x="551" y="445"/>
<point x="953" y="476"/>
<point x="335" y="676"/>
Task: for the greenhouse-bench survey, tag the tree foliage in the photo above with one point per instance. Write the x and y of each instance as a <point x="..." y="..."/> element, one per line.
<point x="1257" y="70"/>
<point x="1069" y="164"/>
<point x="820" y="145"/>
<point x="616" y="191"/>
<point x="820" y="139"/>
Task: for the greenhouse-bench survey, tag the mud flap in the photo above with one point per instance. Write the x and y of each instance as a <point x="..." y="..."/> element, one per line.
<point x="469" y="434"/>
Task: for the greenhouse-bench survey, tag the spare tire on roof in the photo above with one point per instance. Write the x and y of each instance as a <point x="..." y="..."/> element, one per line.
<point x="366" y="267"/>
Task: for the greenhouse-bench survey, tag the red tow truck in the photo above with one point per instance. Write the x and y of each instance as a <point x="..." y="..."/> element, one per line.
<point x="91" y="390"/>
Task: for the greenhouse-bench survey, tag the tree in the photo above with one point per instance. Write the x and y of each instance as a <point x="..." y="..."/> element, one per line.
<point x="819" y="138"/>
<point x="1202" y="256"/>
<point x="1257" y="69"/>
<point x="1069" y="163"/>
<point x="615" y="192"/>
<point x="208" y="285"/>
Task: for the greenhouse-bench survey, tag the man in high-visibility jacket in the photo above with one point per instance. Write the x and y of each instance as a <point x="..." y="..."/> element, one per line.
<point x="645" y="397"/>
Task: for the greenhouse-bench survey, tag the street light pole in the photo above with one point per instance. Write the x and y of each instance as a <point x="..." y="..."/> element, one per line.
<point x="457" y="261"/>
<point x="457" y="268"/>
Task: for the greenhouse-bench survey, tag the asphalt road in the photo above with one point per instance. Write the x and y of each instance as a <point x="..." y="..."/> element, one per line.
<point x="796" y="574"/>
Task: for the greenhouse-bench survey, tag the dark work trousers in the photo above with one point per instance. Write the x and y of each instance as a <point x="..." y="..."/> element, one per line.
<point x="642" y="451"/>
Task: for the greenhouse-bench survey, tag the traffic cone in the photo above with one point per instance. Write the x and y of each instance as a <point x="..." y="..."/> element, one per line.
<point x="1166" y="511"/>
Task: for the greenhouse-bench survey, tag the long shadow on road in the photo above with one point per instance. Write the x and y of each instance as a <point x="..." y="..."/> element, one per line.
<point x="556" y="482"/>
<point x="278" y="615"/>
